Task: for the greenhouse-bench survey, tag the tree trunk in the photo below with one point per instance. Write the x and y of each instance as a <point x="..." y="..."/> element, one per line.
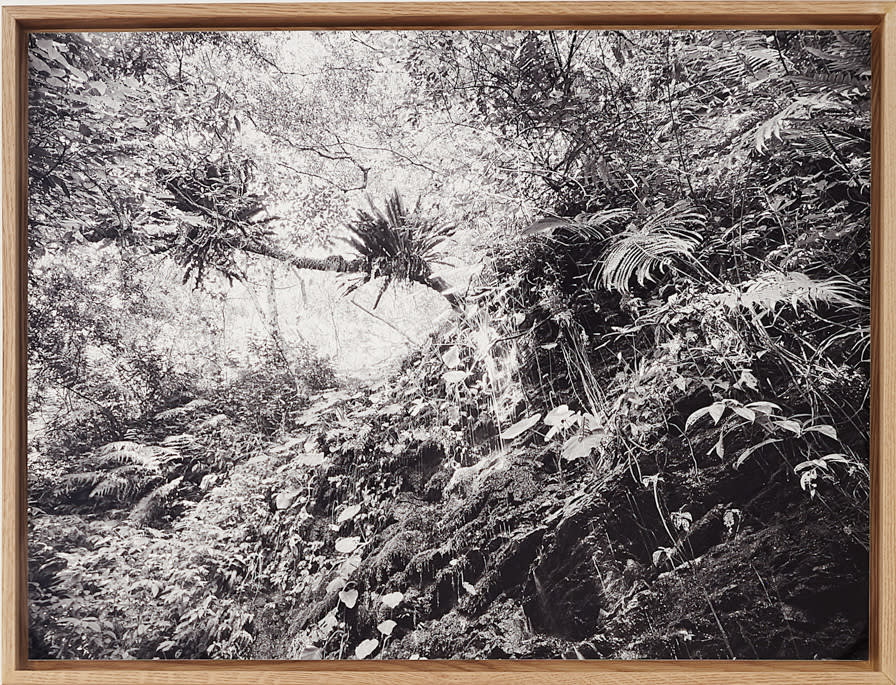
<point x="335" y="263"/>
<point x="339" y="264"/>
<point x="443" y="288"/>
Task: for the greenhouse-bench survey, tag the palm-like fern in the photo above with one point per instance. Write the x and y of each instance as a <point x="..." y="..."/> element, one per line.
<point x="828" y="117"/>
<point x="847" y="54"/>
<point x="641" y="252"/>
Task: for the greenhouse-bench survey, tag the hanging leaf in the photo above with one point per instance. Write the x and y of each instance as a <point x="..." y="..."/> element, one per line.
<point x="824" y="429"/>
<point x="579" y="446"/>
<point x="520" y="427"/>
<point x="822" y="462"/>
<point x="451" y="357"/>
<point x="807" y="481"/>
<point x="285" y="499"/>
<point x="350" y="565"/>
<point x="651" y="481"/>
<point x="696" y="416"/>
<point x="748" y="380"/>
<point x="392" y="409"/>
<point x="454" y="377"/>
<point x="747" y="453"/>
<point x="311" y="653"/>
<point x="681" y="520"/>
<point x="716" y="411"/>
<point x="790" y="425"/>
<point x="719" y="447"/>
<point x="328" y="622"/>
<point x="764" y="407"/>
<point x="336" y="584"/>
<point x="745" y="413"/>
<point x="662" y="554"/>
<point x="544" y="225"/>
<point x="557" y="414"/>
<point x="348" y="513"/>
<point x="559" y="418"/>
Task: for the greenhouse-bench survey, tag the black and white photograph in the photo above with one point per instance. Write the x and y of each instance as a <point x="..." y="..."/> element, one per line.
<point x="443" y="344"/>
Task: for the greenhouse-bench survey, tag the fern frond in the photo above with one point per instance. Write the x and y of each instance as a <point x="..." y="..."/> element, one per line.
<point x="113" y="486"/>
<point x="150" y="457"/>
<point x="639" y="253"/>
<point x="598" y="225"/>
<point x="749" y="58"/>
<point x="765" y="294"/>
<point x="81" y="479"/>
<point x="838" y="82"/>
<point x="153" y="499"/>
<point x="802" y="108"/>
<point x="849" y="54"/>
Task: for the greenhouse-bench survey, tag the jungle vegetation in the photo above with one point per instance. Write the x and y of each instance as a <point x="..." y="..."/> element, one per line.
<point x="449" y="344"/>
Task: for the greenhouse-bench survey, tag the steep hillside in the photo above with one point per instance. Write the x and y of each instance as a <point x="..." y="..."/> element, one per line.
<point x="582" y="371"/>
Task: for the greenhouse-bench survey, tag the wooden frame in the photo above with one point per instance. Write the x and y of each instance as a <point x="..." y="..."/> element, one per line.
<point x="880" y="17"/>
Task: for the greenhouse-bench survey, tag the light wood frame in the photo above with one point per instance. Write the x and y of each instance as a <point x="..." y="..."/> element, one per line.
<point x="879" y="17"/>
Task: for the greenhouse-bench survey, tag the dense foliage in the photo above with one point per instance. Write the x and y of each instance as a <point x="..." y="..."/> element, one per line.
<point x="609" y="292"/>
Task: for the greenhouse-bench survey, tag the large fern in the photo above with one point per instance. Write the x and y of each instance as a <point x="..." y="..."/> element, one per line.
<point x="639" y="253"/>
<point x="120" y="471"/>
<point x="750" y="57"/>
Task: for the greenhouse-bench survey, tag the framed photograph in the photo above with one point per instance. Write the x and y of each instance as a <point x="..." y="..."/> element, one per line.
<point x="445" y="342"/>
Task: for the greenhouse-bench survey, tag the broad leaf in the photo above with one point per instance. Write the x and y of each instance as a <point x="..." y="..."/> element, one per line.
<point x="520" y="427"/>
<point x="393" y="599"/>
<point x="349" y="598"/>
<point x="579" y="446"/>
<point x="366" y="648"/>
<point x="347" y="545"/>
<point x="386" y="627"/>
<point x="454" y="377"/>
<point x="348" y="513"/>
<point x="824" y="429"/>
<point x="544" y="225"/>
<point x="451" y="357"/>
<point x="747" y="453"/>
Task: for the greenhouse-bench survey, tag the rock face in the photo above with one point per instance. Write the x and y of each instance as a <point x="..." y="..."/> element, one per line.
<point x="511" y="557"/>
